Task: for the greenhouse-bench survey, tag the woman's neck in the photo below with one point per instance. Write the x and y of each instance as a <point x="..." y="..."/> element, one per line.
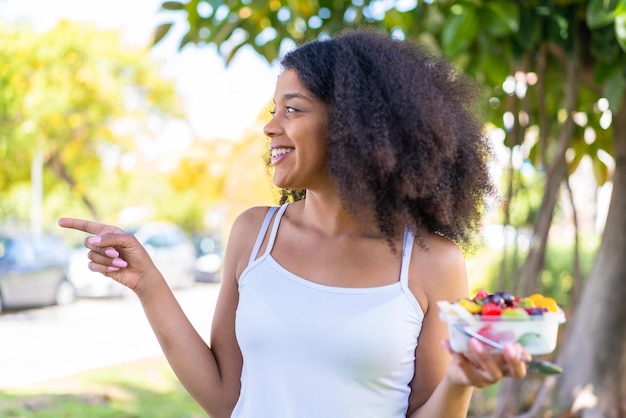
<point x="328" y="216"/>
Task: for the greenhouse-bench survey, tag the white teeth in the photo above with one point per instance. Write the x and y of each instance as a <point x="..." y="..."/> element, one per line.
<point x="280" y="151"/>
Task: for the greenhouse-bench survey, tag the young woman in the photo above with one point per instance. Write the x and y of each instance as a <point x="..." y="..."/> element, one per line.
<point x="328" y="302"/>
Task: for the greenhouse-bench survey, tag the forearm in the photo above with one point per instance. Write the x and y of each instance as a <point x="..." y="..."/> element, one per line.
<point x="188" y="354"/>
<point x="119" y="255"/>
<point x="449" y="400"/>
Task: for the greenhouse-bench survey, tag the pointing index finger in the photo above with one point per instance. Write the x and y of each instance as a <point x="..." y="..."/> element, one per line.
<point x="82" y="225"/>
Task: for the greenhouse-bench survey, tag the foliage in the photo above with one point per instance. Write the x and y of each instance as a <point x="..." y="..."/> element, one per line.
<point x="197" y="183"/>
<point x="75" y="96"/>
<point x="521" y="53"/>
<point x="494" y="30"/>
<point x="496" y="42"/>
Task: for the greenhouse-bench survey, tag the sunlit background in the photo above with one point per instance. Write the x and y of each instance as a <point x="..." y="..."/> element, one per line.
<point x="220" y="101"/>
<point x="100" y="123"/>
<point x="221" y="105"/>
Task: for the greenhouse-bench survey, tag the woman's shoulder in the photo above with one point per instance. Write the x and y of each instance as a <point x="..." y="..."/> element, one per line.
<point x="251" y="216"/>
<point x="437" y="270"/>
<point x="440" y="250"/>
<point x="248" y="223"/>
<point x="243" y="235"/>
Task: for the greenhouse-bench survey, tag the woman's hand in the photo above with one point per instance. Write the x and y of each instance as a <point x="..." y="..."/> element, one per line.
<point x="113" y="252"/>
<point x="481" y="366"/>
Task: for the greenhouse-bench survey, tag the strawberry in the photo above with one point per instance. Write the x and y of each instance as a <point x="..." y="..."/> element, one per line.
<point x="492" y="309"/>
<point x="481" y="294"/>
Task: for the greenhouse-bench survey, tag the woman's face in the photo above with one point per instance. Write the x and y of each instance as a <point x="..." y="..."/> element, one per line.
<point x="297" y="135"/>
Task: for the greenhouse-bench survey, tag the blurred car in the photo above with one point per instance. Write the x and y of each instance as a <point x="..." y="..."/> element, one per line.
<point x="210" y="259"/>
<point x="33" y="271"/>
<point x="171" y="250"/>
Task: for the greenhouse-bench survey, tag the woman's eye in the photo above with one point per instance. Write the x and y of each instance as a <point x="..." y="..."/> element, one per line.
<point x="287" y="110"/>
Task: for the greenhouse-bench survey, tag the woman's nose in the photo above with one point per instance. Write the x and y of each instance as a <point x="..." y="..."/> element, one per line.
<point x="272" y="128"/>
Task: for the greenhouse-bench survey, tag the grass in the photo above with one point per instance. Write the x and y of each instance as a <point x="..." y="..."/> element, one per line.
<point x="143" y="389"/>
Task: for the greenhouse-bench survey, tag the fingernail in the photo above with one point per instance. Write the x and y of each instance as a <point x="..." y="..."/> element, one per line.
<point x="118" y="262"/>
<point x="111" y="268"/>
<point x="476" y="345"/>
<point x="110" y="252"/>
<point x="95" y="240"/>
<point x="511" y="351"/>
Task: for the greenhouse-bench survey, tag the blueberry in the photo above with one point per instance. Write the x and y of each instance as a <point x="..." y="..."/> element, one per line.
<point x="498" y="300"/>
<point x="536" y="311"/>
<point x="507" y="298"/>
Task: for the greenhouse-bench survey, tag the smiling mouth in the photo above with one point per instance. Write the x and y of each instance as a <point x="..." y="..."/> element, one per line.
<point x="277" y="152"/>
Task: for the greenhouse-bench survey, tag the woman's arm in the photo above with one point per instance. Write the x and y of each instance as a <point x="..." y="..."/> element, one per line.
<point x="444" y="381"/>
<point x="210" y="374"/>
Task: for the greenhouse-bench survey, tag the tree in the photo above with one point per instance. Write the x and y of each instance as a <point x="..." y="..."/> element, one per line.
<point x="547" y="69"/>
<point x="74" y="96"/>
<point x="224" y="177"/>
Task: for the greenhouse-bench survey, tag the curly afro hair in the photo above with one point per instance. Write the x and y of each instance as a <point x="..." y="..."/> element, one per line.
<point x="404" y="145"/>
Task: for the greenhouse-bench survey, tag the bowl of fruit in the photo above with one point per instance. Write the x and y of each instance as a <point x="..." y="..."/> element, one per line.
<point x="532" y="321"/>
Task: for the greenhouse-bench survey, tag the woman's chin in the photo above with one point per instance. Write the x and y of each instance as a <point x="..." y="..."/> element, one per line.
<point x="282" y="183"/>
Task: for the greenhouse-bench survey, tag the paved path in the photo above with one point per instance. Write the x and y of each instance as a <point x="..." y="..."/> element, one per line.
<point x="42" y="344"/>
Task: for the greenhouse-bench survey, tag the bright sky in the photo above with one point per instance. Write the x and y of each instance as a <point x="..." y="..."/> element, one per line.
<point x="220" y="102"/>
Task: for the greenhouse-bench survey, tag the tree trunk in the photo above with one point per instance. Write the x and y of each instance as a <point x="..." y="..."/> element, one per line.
<point x="509" y="398"/>
<point x="593" y="383"/>
<point x="557" y="171"/>
<point x="576" y="268"/>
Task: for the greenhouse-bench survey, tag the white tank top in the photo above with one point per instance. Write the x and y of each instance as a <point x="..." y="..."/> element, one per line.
<point x="317" y="351"/>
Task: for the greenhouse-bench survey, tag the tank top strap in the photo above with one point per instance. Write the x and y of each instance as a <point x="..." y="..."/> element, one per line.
<point x="407" y="249"/>
<point x="279" y="215"/>
<point x="262" y="232"/>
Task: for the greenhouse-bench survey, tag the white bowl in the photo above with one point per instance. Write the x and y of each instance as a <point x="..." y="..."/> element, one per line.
<point x="537" y="333"/>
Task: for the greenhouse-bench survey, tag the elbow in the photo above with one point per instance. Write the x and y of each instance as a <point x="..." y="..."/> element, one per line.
<point x="220" y="408"/>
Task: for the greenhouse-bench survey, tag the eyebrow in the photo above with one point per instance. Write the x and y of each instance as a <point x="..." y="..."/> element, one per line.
<point x="288" y="96"/>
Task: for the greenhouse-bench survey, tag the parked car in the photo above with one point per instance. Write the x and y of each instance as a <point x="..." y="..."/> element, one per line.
<point x="171" y="250"/>
<point x="210" y="258"/>
<point x="33" y="271"/>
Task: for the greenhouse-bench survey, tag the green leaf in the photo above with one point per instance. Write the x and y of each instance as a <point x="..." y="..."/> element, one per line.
<point x="186" y="39"/>
<point x="580" y="149"/>
<point x="233" y="51"/>
<point x="432" y="20"/>
<point x="534" y="155"/>
<point x="507" y="12"/>
<point x="604" y="71"/>
<point x="620" y="26"/>
<point x="160" y="32"/>
<point x="600" y="12"/>
<point x="604" y="46"/>
<point x="613" y="89"/>
<point x="600" y="171"/>
<point x="223" y="30"/>
<point x="496" y="68"/>
<point x="529" y="30"/>
<point x="459" y="31"/>
<point x="172" y="5"/>
<point x="493" y="25"/>
<point x="403" y="20"/>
